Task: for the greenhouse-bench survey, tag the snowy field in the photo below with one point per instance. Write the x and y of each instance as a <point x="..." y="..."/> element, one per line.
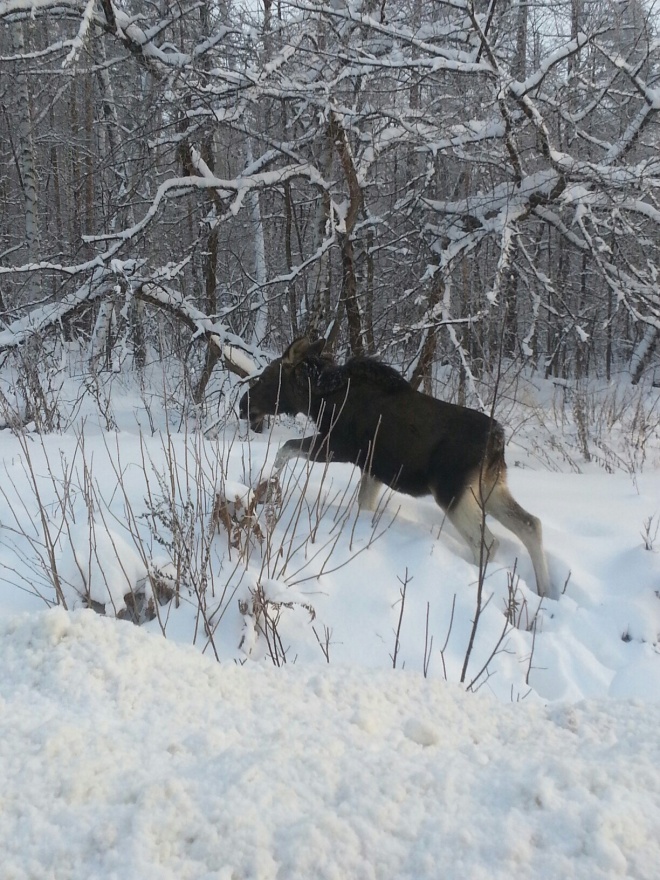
<point x="359" y="724"/>
<point x="127" y="756"/>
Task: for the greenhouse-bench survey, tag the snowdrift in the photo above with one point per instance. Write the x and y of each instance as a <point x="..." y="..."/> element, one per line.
<point x="125" y="755"/>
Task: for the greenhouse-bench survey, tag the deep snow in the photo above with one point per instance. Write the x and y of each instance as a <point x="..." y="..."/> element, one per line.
<point x="128" y="755"/>
<point x="124" y="755"/>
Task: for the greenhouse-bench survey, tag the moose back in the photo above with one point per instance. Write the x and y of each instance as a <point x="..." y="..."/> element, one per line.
<point x="368" y="415"/>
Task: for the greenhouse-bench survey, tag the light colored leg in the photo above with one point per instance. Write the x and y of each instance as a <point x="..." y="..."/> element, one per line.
<point x="466" y="517"/>
<point x="369" y="491"/>
<point x="284" y="455"/>
<point x="293" y="449"/>
<point x="502" y="505"/>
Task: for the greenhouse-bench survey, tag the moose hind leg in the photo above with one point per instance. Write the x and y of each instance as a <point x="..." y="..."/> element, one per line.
<point x="466" y="516"/>
<point x="503" y="506"/>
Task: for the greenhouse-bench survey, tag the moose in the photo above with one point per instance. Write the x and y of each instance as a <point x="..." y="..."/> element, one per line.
<point x="367" y="414"/>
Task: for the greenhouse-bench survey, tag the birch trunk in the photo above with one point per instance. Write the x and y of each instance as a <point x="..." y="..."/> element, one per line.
<point x="260" y="328"/>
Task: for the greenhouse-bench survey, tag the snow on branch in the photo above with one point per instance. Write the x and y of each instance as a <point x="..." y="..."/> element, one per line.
<point x="491" y="212"/>
<point x="285" y="277"/>
<point x="43" y="318"/>
<point x="83" y="31"/>
<point x="16" y="10"/>
<point x="632" y="132"/>
<point x="545" y="65"/>
<point x="650" y="95"/>
<point x="142" y="43"/>
<point x="445" y="58"/>
<point x="238" y="356"/>
<point x="238" y="187"/>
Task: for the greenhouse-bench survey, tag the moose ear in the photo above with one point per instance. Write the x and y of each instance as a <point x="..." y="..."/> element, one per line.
<point x="302" y="348"/>
<point x="296" y="351"/>
<point x="316" y="348"/>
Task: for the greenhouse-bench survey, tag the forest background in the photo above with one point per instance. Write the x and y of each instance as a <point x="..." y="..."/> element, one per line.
<point x="462" y="183"/>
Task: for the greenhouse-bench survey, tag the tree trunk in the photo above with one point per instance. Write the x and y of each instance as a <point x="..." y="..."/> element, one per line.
<point x="349" y="275"/>
<point x="26" y="166"/>
<point x="643" y="353"/>
<point x="423" y="369"/>
<point x="260" y="328"/>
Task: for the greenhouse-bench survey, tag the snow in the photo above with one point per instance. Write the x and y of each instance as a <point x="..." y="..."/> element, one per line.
<point x="131" y="752"/>
<point x="99" y="564"/>
<point x="238" y="358"/>
<point x="125" y="755"/>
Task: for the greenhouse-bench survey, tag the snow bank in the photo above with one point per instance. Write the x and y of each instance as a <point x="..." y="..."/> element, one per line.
<point x="126" y="756"/>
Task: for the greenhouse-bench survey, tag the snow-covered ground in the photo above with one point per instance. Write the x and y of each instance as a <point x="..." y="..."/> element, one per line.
<point x="303" y="752"/>
<point x="126" y="756"/>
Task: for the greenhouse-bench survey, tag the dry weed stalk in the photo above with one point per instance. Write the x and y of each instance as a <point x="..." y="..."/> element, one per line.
<point x="264" y="614"/>
<point x="651" y="527"/>
<point x="402" y="604"/>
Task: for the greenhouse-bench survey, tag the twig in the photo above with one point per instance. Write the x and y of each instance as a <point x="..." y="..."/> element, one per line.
<point x="402" y="592"/>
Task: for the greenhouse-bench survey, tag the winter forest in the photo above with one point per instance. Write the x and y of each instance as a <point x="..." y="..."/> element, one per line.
<point x="460" y="183"/>
<point x="466" y="190"/>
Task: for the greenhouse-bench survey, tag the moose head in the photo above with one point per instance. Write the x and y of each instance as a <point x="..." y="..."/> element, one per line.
<point x="284" y="385"/>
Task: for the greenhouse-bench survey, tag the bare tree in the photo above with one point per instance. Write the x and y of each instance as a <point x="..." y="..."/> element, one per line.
<point x="423" y="181"/>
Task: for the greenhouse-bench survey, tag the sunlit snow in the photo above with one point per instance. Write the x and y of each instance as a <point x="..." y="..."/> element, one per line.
<point x="267" y="735"/>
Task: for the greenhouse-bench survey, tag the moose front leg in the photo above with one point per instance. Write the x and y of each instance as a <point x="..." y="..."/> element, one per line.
<point x="369" y="491"/>
<point x="314" y="448"/>
<point x="307" y="447"/>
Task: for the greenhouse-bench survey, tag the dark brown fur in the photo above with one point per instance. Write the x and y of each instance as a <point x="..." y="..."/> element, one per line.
<point x="367" y="414"/>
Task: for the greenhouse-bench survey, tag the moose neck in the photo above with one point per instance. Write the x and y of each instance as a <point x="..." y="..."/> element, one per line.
<point x="311" y="392"/>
